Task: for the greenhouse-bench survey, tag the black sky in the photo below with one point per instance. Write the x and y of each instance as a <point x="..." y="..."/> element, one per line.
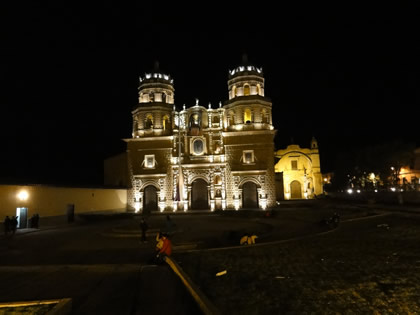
<point x="69" y="77"/>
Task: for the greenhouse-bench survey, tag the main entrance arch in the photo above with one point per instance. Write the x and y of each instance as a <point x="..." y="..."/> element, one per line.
<point x="295" y="190"/>
<point x="199" y="195"/>
<point x="150" y="199"/>
<point x="249" y="195"/>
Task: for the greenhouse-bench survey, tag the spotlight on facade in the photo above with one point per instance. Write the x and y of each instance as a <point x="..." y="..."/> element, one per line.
<point x="23" y="195"/>
<point x="236" y="203"/>
<point x="264" y="204"/>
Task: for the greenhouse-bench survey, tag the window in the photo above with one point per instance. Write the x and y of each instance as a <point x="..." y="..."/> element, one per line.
<point x="248" y="157"/>
<point x="247" y="116"/>
<point x="195" y="124"/>
<point x="230" y="119"/>
<point x="149" y="121"/>
<point x="198" y="146"/>
<point x="264" y="116"/>
<point x="234" y="91"/>
<point x="149" y="161"/>
<point x="165" y="122"/>
<point x="246" y="90"/>
<point x="294" y="165"/>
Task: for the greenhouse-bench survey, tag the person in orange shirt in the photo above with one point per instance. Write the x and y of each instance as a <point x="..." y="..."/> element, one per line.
<point x="166" y="249"/>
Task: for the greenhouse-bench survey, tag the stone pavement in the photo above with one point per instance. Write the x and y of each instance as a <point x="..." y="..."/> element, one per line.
<point x="117" y="279"/>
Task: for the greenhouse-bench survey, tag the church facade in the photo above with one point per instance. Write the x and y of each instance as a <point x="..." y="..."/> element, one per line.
<point x="202" y="157"/>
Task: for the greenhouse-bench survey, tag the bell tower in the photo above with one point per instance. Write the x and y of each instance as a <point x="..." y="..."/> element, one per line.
<point x="153" y="114"/>
<point x="249" y="139"/>
<point x="247" y="108"/>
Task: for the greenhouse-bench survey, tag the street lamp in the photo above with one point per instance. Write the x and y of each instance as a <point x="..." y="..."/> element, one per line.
<point x="23" y="195"/>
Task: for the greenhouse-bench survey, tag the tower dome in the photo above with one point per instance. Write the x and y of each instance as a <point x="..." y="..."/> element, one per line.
<point x="245" y="80"/>
<point x="153" y="115"/>
<point x="247" y="107"/>
<point x="156" y="87"/>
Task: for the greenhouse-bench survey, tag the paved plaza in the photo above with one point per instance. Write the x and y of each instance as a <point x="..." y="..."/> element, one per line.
<point x="103" y="267"/>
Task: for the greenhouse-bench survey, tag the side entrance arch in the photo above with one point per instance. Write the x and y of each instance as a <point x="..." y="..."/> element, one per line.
<point x="249" y="195"/>
<point x="295" y="190"/>
<point x="150" y="199"/>
<point x="199" y="195"/>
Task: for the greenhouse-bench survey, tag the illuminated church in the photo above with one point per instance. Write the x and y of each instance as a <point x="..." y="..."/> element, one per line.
<point x="202" y="157"/>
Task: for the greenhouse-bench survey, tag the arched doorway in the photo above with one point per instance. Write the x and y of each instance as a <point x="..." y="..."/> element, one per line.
<point x="199" y="195"/>
<point x="150" y="199"/>
<point x="249" y="195"/>
<point x="295" y="190"/>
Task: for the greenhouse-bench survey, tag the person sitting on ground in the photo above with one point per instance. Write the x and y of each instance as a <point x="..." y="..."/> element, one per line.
<point x="244" y="239"/>
<point x="166" y="249"/>
<point x="251" y="239"/>
<point x="248" y="239"/>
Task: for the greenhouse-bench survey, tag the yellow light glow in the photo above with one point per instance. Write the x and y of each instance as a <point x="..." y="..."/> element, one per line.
<point x="23" y="195"/>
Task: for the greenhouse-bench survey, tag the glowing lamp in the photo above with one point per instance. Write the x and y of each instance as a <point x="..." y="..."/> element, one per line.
<point x="23" y="195"/>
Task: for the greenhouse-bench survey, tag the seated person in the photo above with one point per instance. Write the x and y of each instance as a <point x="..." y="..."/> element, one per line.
<point x="248" y="239"/>
<point x="166" y="249"/>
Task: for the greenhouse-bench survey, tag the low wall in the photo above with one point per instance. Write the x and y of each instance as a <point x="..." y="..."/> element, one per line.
<point x="53" y="201"/>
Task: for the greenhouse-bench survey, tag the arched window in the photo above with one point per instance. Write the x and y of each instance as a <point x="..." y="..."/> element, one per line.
<point x="216" y="120"/>
<point x="151" y="97"/>
<point x="258" y="89"/>
<point x="163" y="99"/>
<point x="231" y="121"/>
<point x="165" y="122"/>
<point x="247" y="116"/>
<point x="149" y="121"/>
<point x="264" y="116"/>
<point x="234" y="91"/>
<point x="195" y="124"/>
<point x="246" y="90"/>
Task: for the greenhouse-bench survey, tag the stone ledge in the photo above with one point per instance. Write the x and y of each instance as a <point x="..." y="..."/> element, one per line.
<point x="61" y="307"/>
<point x="203" y="302"/>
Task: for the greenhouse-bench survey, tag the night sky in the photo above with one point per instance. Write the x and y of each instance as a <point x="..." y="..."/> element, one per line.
<point x="69" y="78"/>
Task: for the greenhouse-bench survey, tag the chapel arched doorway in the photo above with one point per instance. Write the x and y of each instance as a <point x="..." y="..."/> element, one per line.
<point x="295" y="190"/>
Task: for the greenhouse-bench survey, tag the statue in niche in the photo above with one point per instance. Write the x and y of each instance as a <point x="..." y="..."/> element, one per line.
<point x="194" y="124"/>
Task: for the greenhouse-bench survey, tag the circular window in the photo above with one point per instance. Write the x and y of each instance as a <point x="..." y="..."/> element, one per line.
<point x="198" y="146"/>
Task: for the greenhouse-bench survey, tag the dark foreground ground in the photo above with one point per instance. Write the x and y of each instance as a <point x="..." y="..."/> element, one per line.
<point x="369" y="264"/>
<point x="366" y="266"/>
